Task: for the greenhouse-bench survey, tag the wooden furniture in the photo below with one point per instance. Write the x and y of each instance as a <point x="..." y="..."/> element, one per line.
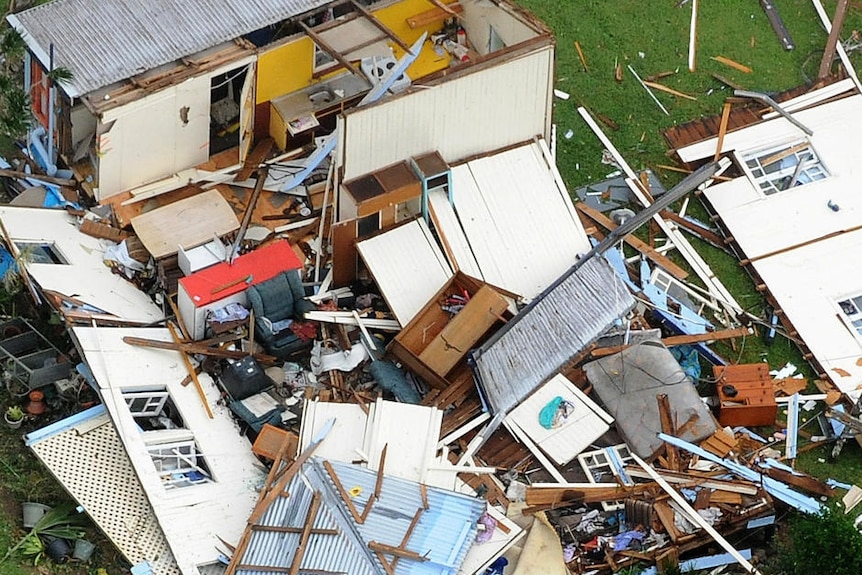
<point x="436" y="341"/>
<point x="745" y="393"/>
<point x="380" y="192"/>
<point x="434" y="173"/>
<point x="215" y="287"/>
<point x="189" y="222"/>
<point x="270" y="441"/>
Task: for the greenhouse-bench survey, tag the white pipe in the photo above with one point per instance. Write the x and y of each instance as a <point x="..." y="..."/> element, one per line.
<point x="35" y="140"/>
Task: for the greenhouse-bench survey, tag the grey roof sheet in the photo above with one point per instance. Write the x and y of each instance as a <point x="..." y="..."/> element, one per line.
<point x="561" y="322"/>
<point x="444" y="533"/>
<point x="106" y="41"/>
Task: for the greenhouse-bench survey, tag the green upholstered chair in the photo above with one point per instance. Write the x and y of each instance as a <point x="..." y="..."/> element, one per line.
<point x="276" y="302"/>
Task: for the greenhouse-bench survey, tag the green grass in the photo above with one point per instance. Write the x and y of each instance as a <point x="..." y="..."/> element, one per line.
<point x="653" y="37"/>
<point x="620" y="32"/>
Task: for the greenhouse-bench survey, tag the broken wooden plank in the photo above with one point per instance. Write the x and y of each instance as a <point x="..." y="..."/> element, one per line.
<point x="436" y="14"/>
<point x="195" y="348"/>
<point x="581" y="56"/>
<point x="694" y="516"/>
<point x="722" y="129"/>
<point x="648" y="91"/>
<point x="696" y="229"/>
<point x="254" y="159"/>
<point x="570" y="493"/>
<point x="667" y="426"/>
<point x="735" y="65"/>
<point x="805" y="482"/>
<point x="665" y="515"/>
<point x="299" y="550"/>
<point x="345" y="496"/>
<point x="97" y="229"/>
<point x="667" y="90"/>
<point x="659" y="259"/>
<point x="789" y="385"/>
<point x="726" y="81"/>
<point x="720" y="443"/>
<point x="688" y="479"/>
<point x="681" y="340"/>
<point x="832" y="40"/>
<point x="396" y="551"/>
<point x="191" y="371"/>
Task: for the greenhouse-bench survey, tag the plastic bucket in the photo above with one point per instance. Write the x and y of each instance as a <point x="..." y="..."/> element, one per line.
<point x="83" y="550"/>
<point x="32" y="513"/>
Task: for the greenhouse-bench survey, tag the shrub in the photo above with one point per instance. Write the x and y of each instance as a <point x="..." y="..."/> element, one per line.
<point x="828" y="542"/>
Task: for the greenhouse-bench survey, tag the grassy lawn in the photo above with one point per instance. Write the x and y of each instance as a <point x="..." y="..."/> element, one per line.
<point x="653" y="38"/>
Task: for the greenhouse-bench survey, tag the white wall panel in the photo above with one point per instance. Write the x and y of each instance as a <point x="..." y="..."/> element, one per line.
<point x="483" y="111"/>
<point x="149" y="140"/>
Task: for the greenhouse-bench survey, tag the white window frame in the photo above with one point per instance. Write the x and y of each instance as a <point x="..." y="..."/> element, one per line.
<point x="24" y="246"/>
<point x="148" y="403"/>
<point x="326" y="60"/>
<point x="780" y="167"/>
<point x="174" y="460"/>
<point x="598" y="463"/>
<point x="851" y="311"/>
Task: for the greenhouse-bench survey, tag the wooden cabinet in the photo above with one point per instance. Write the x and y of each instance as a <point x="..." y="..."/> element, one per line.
<point x="436" y="340"/>
<point x="745" y="394"/>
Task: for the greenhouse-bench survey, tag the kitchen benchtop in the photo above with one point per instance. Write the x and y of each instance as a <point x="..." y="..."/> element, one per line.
<point x="320" y="96"/>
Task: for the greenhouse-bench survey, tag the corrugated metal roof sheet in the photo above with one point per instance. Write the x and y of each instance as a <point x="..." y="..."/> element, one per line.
<point x="444" y="533"/>
<point x="105" y="41"/>
<point x="561" y="322"/>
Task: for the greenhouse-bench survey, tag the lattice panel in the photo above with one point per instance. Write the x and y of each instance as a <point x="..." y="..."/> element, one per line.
<point x="90" y="462"/>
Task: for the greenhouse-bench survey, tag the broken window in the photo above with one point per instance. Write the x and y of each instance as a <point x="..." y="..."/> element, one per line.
<point x="40" y="253"/>
<point x="171" y="446"/>
<point x="322" y="59"/>
<point x="852" y="310"/>
<point x="779" y="168"/>
<point x="179" y="463"/>
<point x="605" y="465"/>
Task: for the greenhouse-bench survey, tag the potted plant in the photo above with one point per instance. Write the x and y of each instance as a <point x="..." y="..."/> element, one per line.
<point x="14" y="416"/>
<point x="58" y="523"/>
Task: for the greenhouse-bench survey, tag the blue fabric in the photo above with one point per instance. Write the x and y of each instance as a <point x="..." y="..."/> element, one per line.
<point x="549" y="413"/>
<point x="7" y="262"/>
<point x="688" y="360"/>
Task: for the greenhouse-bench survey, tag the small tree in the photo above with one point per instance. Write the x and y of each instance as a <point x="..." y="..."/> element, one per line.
<point x="821" y="543"/>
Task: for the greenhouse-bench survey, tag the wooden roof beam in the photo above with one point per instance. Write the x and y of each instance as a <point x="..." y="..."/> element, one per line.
<point x="380" y="25"/>
<point x="329" y="49"/>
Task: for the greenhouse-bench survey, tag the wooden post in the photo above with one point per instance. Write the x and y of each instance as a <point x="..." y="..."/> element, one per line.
<point x="832" y="41"/>
<point x="667" y="426"/>
<point x="191" y="369"/>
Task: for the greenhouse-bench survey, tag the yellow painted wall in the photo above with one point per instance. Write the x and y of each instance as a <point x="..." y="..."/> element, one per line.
<point x="285" y="69"/>
<point x="395" y="18"/>
<point x="289" y="67"/>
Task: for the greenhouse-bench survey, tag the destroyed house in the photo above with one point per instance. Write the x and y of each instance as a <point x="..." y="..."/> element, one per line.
<point x="799" y="171"/>
<point x="155" y="103"/>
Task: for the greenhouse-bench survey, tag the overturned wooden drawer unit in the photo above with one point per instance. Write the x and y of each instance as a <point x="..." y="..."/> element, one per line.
<point x="745" y="394"/>
<point x="435" y="341"/>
